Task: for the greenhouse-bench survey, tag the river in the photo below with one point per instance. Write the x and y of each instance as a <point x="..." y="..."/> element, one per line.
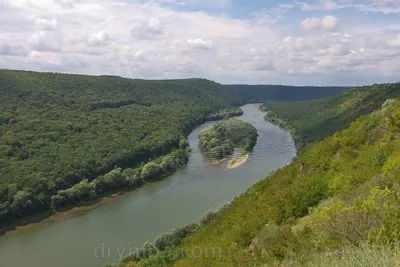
<point x="99" y="236"/>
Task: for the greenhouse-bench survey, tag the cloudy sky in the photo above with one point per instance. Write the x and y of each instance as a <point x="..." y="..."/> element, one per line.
<point x="303" y="42"/>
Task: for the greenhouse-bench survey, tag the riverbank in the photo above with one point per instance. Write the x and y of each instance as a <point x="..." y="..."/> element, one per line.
<point x="132" y="219"/>
<point x="129" y="180"/>
<point x="49" y="217"/>
<point x="236" y="162"/>
<point x="71" y="210"/>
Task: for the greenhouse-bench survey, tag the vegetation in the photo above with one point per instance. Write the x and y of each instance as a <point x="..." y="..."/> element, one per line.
<point x="65" y="139"/>
<point x="161" y="252"/>
<point x="225" y="114"/>
<point x="223" y="137"/>
<point x="337" y="204"/>
<point x="311" y="121"/>
<point x="279" y="93"/>
<point x="163" y="243"/>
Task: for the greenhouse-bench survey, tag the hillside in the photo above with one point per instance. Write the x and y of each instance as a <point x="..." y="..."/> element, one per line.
<point x="282" y="93"/>
<point x="60" y="130"/>
<point x="314" y="120"/>
<point x="337" y="204"/>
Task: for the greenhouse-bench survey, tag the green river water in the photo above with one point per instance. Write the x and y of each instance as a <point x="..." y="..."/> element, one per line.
<point x="101" y="235"/>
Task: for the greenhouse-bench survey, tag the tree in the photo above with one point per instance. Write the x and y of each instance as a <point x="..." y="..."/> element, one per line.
<point x="183" y="143"/>
<point x="114" y="178"/>
<point x="22" y="201"/>
<point x="57" y="201"/>
<point x="151" y="171"/>
<point x="207" y="218"/>
<point x="169" y="164"/>
<point x="164" y="241"/>
<point x="132" y="176"/>
<point x="355" y="222"/>
<point x="147" y="250"/>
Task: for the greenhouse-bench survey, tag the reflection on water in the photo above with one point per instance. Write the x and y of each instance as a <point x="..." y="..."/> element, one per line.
<point x="156" y="208"/>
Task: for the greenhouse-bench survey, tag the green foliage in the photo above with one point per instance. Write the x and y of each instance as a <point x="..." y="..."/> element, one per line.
<point x="363" y="219"/>
<point x="259" y="93"/>
<point x="207" y="218"/>
<point x="223" y="137"/>
<point x="133" y="177"/>
<point x="161" y="250"/>
<point x="151" y="171"/>
<point x="311" y="121"/>
<point x="340" y="191"/>
<point x="59" y="130"/>
<point x="226" y="114"/>
<point x="364" y="256"/>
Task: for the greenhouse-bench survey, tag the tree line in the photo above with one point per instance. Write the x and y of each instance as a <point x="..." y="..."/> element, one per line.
<point x="67" y="138"/>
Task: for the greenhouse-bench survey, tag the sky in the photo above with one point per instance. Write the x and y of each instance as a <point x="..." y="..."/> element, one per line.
<point x="294" y="42"/>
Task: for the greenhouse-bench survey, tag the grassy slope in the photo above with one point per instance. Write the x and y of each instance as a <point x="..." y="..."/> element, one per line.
<point x="314" y="120"/>
<point x="272" y="225"/>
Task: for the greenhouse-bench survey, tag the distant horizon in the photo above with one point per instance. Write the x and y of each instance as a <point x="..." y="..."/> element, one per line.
<point x="163" y="79"/>
<point x="293" y="42"/>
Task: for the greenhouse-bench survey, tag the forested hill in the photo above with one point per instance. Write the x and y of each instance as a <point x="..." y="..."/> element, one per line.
<point x="336" y="204"/>
<point x="59" y="129"/>
<point x="314" y="120"/>
<point x="261" y="93"/>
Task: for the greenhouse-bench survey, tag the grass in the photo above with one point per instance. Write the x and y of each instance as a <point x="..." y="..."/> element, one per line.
<point x="363" y="256"/>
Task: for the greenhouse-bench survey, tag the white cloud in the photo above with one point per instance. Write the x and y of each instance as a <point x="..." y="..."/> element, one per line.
<point x="220" y="4"/>
<point x="99" y="38"/>
<point x="43" y="41"/>
<point x="395" y="41"/>
<point x="327" y="23"/>
<point x="34" y="55"/>
<point x="11" y="50"/>
<point x="65" y="3"/>
<point x="321" y="5"/>
<point x="200" y="44"/>
<point x="172" y="2"/>
<point x="147" y="29"/>
<point x="47" y="24"/>
<point x="139" y="56"/>
<point x="154" y="41"/>
<point x="386" y="7"/>
<point x="271" y="16"/>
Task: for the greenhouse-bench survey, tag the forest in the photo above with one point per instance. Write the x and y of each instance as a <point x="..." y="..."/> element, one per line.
<point x="68" y="138"/>
<point x="336" y="204"/>
<point x="284" y="93"/>
<point x="311" y="121"/>
<point x="221" y="140"/>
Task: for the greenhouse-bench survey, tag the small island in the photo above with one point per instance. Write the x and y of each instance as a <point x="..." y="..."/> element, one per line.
<point x="220" y="141"/>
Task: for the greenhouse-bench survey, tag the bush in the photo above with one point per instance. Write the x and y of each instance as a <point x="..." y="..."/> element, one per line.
<point x="371" y="218"/>
<point x="207" y="218"/>
<point x="151" y="171"/>
<point x="132" y="176"/>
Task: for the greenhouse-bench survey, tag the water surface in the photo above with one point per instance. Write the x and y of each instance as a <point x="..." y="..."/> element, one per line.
<point x="99" y="236"/>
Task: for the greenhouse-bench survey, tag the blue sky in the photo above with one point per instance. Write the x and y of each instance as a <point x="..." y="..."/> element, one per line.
<point x="299" y="42"/>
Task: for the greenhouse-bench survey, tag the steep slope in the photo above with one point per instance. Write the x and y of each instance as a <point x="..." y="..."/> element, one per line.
<point x="57" y="130"/>
<point x="314" y="120"/>
<point x="282" y="93"/>
<point x="336" y="203"/>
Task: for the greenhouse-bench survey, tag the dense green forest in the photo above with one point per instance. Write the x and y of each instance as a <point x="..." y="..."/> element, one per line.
<point x="261" y="93"/>
<point x="220" y="141"/>
<point x="58" y="132"/>
<point x="337" y="204"/>
<point x="314" y="120"/>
